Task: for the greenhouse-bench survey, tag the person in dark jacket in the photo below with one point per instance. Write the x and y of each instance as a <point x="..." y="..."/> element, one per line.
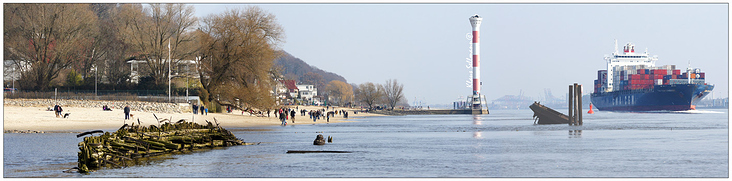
<point x="292" y="114"/>
<point x="57" y="110"/>
<point x="282" y="118"/>
<point x="127" y="112"/>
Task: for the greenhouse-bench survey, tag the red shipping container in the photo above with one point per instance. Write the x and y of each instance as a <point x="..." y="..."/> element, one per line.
<point x="641" y="71"/>
<point x="701" y="75"/>
<point x="677" y="72"/>
<point x="646" y="76"/>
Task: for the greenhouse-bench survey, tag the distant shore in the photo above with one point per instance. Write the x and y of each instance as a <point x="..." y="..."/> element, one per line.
<point x="37" y="119"/>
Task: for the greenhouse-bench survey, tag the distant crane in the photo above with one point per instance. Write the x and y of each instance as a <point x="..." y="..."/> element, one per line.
<point x="549" y="97"/>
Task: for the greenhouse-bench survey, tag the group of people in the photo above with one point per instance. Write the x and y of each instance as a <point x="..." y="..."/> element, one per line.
<point x="315" y="115"/>
<point x="202" y="109"/>
<point x="288" y="113"/>
<point x="284" y="114"/>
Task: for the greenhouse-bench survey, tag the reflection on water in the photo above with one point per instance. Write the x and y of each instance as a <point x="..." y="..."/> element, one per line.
<point x="502" y="144"/>
<point x="477" y="135"/>
<point x="575" y="133"/>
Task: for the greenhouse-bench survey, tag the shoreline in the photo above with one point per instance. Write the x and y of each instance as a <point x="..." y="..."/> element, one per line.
<point x="37" y="120"/>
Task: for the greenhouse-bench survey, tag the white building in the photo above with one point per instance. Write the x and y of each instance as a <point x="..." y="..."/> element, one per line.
<point x="307" y="92"/>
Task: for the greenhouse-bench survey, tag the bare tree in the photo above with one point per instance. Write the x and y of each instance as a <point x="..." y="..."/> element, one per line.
<point x="369" y="93"/>
<point x="47" y="38"/>
<point x="237" y="50"/>
<point x="109" y="55"/>
<point x="393" y="92"/>
<point x="152" y="31"/>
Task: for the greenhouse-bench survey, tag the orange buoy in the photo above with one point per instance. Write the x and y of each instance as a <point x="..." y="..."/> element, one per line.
<point x="590" y="112"/>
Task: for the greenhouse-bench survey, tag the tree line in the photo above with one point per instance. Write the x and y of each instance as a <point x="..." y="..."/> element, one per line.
<point x="390" y="93"/>
<point x="74" y="45"/>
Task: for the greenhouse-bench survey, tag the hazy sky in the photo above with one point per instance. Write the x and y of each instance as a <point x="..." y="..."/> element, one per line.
<point x="524" y="47"/>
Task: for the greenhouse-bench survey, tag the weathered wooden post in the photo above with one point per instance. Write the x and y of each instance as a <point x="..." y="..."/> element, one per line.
<point x="579" y="105"/>
<point x="570" y="101"/>
<point x="576" y="100"/>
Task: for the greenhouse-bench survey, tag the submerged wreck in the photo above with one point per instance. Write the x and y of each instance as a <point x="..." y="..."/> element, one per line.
<point x="129" y="144"/>
<point x="546" y="115"/>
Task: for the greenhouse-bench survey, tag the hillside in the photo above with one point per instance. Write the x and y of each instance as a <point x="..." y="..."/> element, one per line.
<point x="294" y="68"/>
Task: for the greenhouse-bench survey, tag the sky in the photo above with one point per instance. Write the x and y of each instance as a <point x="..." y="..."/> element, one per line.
<point x="525" y="48"/>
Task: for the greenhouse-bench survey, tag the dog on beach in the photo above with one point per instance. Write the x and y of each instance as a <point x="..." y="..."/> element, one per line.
<point x="131" y="115"/>
<point x="66" y="115"/>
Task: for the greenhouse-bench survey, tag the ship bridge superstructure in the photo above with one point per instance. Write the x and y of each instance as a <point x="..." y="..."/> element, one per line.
<point x="629" y="59"/>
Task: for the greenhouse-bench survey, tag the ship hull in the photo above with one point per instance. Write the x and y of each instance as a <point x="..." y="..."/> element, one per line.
<point x="678" y="97"/>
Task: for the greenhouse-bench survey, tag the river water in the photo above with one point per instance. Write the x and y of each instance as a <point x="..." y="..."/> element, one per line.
<point x="504" y="143"/>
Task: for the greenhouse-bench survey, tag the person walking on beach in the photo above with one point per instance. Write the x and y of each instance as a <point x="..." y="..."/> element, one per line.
<point x="127" y="112"/>
<point x="292" y="114"/>
<point x="57" y="110"/>
<point x="195" y="109"/>
<point x="203" y="109"/>
<point x="267" y="112"/>
<point x="282" y="118"/>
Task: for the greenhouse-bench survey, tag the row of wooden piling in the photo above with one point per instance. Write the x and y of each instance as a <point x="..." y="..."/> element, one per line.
<point x="129" y="144"/>
<point x="575" y="105"/>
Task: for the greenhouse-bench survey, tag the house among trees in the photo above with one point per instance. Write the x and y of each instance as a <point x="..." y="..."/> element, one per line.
<point x="290" y="92"/>
<point x="289" y="89"/>
<point x="308" y="94"/>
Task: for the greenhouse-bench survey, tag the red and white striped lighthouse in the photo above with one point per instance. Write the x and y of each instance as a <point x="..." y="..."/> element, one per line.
<point x="475" y="23"/>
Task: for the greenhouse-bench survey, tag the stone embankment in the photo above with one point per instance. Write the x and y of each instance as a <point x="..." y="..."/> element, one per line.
<point x="155" y="107"/>
<point x="22" y="131"/>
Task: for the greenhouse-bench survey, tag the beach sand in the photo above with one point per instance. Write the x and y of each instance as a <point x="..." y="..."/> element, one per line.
<point x="85" y="119"/>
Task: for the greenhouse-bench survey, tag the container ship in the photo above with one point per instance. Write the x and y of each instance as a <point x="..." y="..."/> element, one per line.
<point x="633" y="82"/>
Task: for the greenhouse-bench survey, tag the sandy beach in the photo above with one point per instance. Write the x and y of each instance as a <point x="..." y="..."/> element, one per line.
<point x="84" y="119"/>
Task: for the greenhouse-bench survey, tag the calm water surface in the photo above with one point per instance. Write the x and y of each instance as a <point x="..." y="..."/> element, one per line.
<point x="502" y="144"/>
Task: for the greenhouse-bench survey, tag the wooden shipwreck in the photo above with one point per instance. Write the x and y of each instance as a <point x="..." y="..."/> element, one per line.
<point x="127" y="145"/>
<point x="546" y="115"/>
